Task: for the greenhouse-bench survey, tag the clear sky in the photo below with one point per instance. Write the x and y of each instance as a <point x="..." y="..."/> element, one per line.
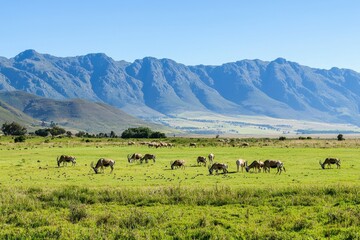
<point x="316" y="33"/>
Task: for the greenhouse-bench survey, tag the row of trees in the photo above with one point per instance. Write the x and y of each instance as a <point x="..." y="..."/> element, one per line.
<point x="15" y="129"/>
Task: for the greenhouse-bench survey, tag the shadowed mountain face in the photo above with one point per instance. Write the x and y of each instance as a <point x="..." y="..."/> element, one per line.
<point x="154" y="87"/>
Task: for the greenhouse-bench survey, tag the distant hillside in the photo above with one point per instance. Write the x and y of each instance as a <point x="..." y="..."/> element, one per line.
<point x="153" y="87"/>
<point x="74" y="114"/>
<point x="11" y="114"/>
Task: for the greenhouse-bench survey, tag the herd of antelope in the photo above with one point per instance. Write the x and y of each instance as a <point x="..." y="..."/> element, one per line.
<point x="255" y="166"/>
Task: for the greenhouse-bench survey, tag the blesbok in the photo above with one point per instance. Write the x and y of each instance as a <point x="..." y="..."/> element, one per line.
<point x="65" y="159"/>
<point x="254" y="164"/>
<point x="192" y="144"/>
<point x="240" y="163"/>
<point x="274" y="164"/>
<point x="329" y="161"/>
<point x="178" y="163"/>
<point x="101" y="163"/>
<point x="133" y="157"/>
<point x="211" y="158"/>
<point x="217" y="167"/>
<point x="201" y="160"/>
<point x="148" y="156"/>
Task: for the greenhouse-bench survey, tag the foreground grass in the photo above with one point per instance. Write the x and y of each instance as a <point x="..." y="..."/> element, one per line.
<point x="182" y="213"/>
<point x="39" y="200"/>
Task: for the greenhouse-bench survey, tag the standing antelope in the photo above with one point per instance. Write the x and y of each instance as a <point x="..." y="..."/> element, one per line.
<point x="274" y="164"/>
<point x="254" y="164"/>
<point x="201" y="159"/>
<point x="101" y="163"/>
<point x="178" y="163"/>
<point x="241" y="163"/>
<point x="147" y="157"/>
<point x="211" y="158"/>
<point x="217" y="167"/>
<point x="65" y="159"/>
<point x="133" y="157"/>
<point x="329" y="161"/>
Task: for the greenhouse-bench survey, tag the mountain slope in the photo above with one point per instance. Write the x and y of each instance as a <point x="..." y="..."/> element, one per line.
<point x="74" y="114"/>
<point x="11" y="114"/>
<point x="156" y="87"/>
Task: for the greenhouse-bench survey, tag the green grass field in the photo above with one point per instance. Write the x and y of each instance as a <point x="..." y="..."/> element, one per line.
<point x="150" y="201"/>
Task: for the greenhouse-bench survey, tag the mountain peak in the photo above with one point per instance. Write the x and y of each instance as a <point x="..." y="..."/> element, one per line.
<point x="28" y="54"/>
<point x="280" y="60"/>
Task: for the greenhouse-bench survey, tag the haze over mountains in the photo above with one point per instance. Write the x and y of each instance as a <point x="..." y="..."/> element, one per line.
<point x="152" y="87"/>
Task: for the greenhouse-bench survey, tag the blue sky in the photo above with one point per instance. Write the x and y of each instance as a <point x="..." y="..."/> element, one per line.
<point x="316" y="33"/>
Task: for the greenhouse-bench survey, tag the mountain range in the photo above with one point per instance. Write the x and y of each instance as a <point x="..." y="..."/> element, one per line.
<point x="151" y="87"/>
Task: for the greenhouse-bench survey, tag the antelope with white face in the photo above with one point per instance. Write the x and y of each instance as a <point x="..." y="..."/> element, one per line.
<point x="211" y="158"/>
<point x="329" y="161"/>
<point x="101" y="163"/>
<point x="65" y="159"/>
<point x="274" y="164"/>
<point x="201" y="160"/>
<point x="217" y="167"/>
<point x="178" y="163"/>
<point x="240" y="163"/>
<point x="147" y="157"/>
<point x="134" y="157"/>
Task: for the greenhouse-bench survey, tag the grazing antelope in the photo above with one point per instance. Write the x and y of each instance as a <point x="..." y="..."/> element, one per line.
<point x="211" y="158"/>
<point x="274" y="164"/>
<point x="178" y="163"/>
<point x="201" y="160"/>
<point x="192" y="144"/>
<point x="133" y="157"/>
<point x="65" y="159"/>
<point x="254" y="164"/>
<point x="240" y="163"/>
<point x="217" y="167"/>
<point x="147" y="157"/>
<point x="101" y="163"/>
<point x="329" y="161"/>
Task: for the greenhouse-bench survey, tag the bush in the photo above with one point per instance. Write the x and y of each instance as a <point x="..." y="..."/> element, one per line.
<point x="20" y="139"/>
<point x="282" y="138"/>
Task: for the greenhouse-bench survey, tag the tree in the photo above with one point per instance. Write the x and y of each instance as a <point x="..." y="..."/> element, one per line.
<point x="56" y="130"/>
<point x="340" y="137"/>
<point x="140" y="132"/>
<point x="157" y="135"/>
<point x="13" y="128"/>
<point x="44" y="132"/>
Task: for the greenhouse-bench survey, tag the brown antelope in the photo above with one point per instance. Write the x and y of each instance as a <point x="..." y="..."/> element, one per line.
<point x="274" y="164"/>
<point x="201" y="160"/>
<point x="211" y="158"/>
<point x="329" y="161"/>
<point x="178" y="163"/>
<point x="255" y="164"/>
<point x="101" y="163"/>
<point x="65" y="159"/>
<point x="133" y="157"/>
<point x="217" y="167"/>
<point x="147" y="157"/>
<point x="240" y="163"/>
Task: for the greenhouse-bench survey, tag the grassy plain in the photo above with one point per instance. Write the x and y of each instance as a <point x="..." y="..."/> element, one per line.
<point x="149" y="201"/>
